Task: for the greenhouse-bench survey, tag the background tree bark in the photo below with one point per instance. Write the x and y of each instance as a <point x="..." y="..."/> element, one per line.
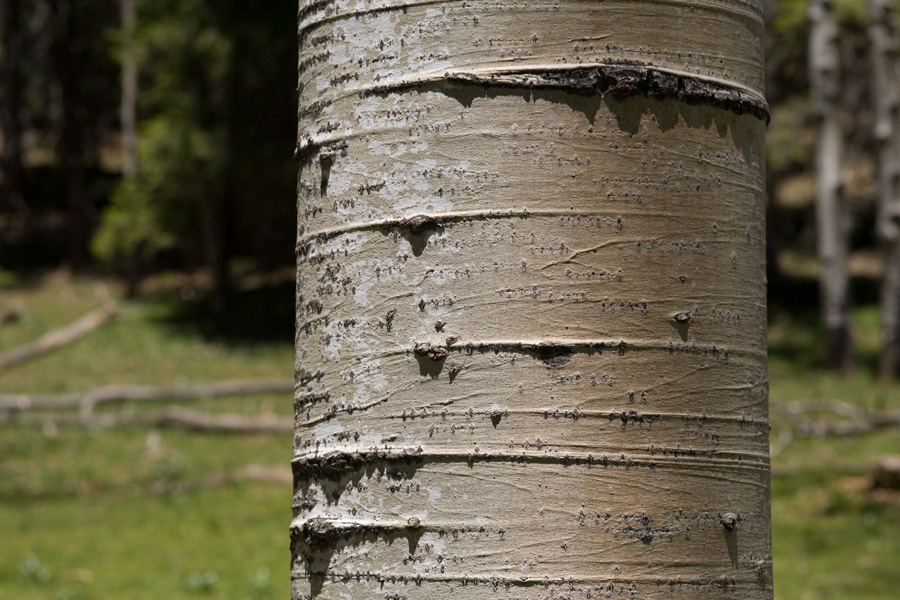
<point x="824" y="70"/>
<point x="531" y="348"/>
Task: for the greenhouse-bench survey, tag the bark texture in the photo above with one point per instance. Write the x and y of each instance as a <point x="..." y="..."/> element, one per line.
<point x="531" y="301"/>
<point x="824" y="69"/>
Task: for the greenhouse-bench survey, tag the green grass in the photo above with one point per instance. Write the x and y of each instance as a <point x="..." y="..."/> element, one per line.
<point x="833" y="536"/>
<point x="137" y="513"/>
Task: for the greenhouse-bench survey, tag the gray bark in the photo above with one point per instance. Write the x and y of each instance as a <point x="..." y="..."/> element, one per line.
<point x="531" y="302"/>
<point x="824" y="68"/>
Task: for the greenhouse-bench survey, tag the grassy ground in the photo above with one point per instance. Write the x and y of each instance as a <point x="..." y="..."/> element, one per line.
<point x="833" y="536"/>
<point x="140" y="513"/>
<point x="134" y="512"/>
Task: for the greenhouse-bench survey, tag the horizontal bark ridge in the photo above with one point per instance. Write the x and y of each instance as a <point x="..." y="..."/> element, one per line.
<point x="616" y="79"/>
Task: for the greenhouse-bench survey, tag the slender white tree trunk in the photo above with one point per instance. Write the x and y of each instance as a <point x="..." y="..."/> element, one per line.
<point x="128" y="108"/>
<point x="885" y="78"/>
<point x="531" y="301"/>
<point x="824" y="69"/>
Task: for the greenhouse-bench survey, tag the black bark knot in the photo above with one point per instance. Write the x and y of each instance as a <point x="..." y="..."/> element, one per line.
<point x="729" y="521"/>
<point x="318" y="533"/>
<point x="435" y="353"/>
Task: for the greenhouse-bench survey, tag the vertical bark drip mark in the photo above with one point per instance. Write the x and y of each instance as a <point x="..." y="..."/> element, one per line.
<point x="325" y="162"/>
<point x="416" y="230"/>
<point x="318" y="540"/>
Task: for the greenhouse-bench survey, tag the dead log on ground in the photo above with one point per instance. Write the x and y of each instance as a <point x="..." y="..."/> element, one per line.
<point x="57" y="338"/>
<point x="86" y="401"/>
<point x="175" y="418"/>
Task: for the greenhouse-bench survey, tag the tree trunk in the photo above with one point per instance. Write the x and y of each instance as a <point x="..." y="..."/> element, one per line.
<point x="886" y="102"/>
<point x="128" y="110"/>
<point x="81" y="213"/>
<point x="531" y="346"/>
<point x="889" y="366"/>
<point x="824" y="68"/>
<point x="128" y="118"/>
<point x="12" y="173"/>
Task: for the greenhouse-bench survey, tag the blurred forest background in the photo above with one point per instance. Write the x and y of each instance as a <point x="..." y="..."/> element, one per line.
<point x="147" y="225"/>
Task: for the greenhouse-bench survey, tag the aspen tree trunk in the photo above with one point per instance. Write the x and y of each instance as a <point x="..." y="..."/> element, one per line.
<point x="531" y="352"/>
<point x="824" y="69"/>
<point x="128" y="107"/>
<point x="128" y="118"/>
<point x="886" y="100"/>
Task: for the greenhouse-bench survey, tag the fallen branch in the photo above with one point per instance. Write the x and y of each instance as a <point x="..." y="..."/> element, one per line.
<point x="196" y="421"/>
<point x="86" y="401"/>
<point x="795" y="410"/>
<point x="176" y="418"/>
<point x="57" y="338"/>
<point x="268" y="474"/>
<point x="856" y="427"/>
<point x="855" y="420"/>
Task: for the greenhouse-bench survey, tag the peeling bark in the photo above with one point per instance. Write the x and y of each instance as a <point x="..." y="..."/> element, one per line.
<point x="531" y="301"/>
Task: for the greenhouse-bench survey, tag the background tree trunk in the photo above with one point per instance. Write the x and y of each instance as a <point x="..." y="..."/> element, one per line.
<point x="128" y="109"/>
<point x="886" y="101"/>
<point x="128" y="118"/>
<point x="824" y="70"/>
<point x="81" y="213"/>
<point x="12" y="175"/>
<point x="531" y="346"/>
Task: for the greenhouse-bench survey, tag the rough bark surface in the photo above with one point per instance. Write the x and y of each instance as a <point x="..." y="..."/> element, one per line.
<point x="824" y="68"/>
<point x="531" y="302"/>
